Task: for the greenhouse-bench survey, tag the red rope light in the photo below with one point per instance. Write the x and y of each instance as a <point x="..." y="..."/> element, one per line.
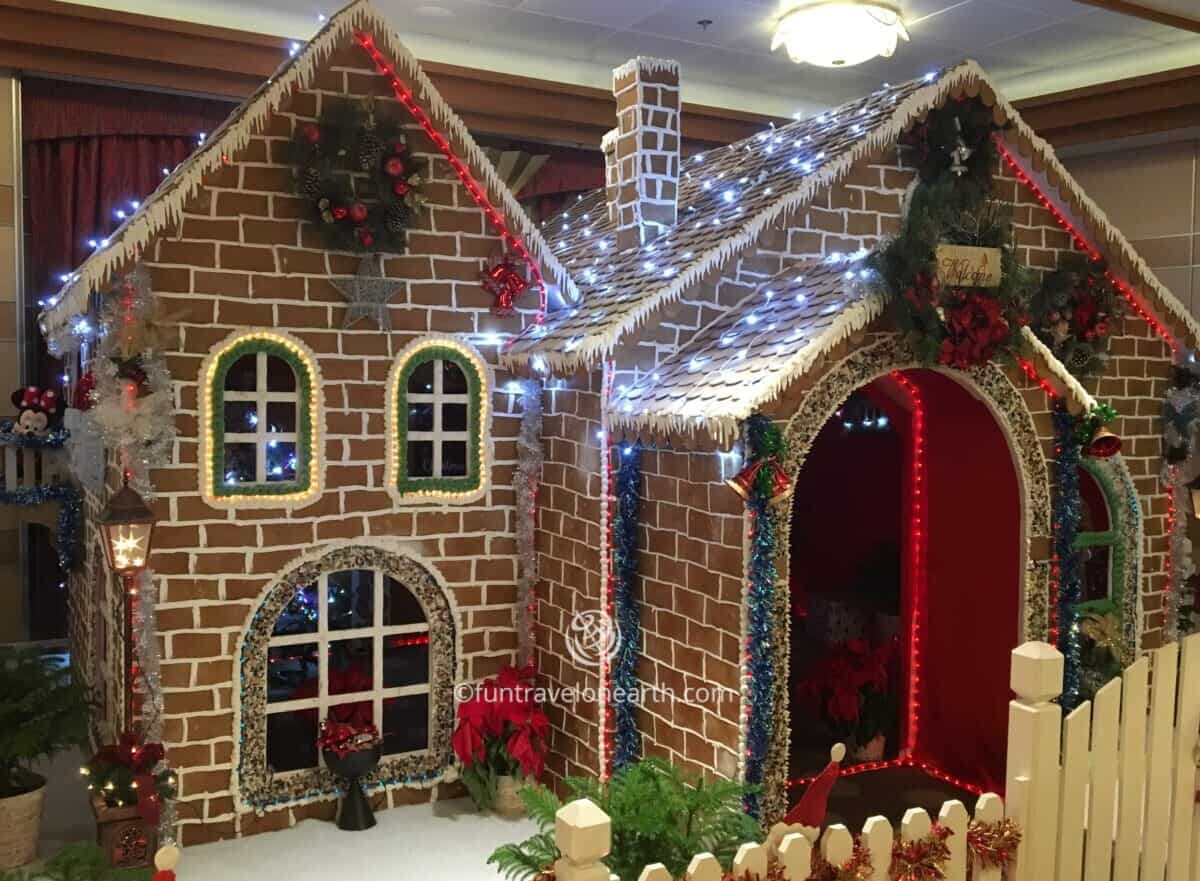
<point x="1044" y="384"/>
<point x="404" y="96"/>
<point x="916" y="557"/>
<point x="902" y="762"/>
<point x="1084" y="245"/>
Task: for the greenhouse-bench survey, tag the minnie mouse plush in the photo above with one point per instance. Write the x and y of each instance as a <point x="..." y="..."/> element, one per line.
<point x="36" y="410"/>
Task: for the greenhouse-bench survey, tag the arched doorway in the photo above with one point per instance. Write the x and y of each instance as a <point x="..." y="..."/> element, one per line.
<point x="907" y="549"/>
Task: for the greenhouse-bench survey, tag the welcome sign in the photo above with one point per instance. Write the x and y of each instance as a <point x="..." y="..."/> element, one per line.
<point x="968" y="266"/>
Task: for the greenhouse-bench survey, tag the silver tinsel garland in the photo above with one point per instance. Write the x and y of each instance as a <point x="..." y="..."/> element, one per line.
<point x="525" y="482"/>
<point x="145" y="649"/>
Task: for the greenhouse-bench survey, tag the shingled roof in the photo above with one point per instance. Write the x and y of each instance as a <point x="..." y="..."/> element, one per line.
<point x="728" y="196"/>
<point x="164" y="207"/>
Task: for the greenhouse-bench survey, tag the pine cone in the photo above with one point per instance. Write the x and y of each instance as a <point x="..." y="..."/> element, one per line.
<point x="370" y="150"/>
<point x="310" y="184"/>
<point x="398" y="217"/>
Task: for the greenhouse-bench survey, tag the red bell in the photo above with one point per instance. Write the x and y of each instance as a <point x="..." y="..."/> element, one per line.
<point x="1104" y="444"/>
<point x="742" y="483"/>
<point x="780" y="482"/>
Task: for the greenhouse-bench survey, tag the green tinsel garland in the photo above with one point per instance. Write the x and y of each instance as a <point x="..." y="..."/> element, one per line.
<point x="469" y="482"/>
<point x="216" y="478"/>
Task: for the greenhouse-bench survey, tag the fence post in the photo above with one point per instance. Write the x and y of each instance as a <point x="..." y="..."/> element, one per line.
<point x="583" y="834"/>
<point x="1031" y="796"/>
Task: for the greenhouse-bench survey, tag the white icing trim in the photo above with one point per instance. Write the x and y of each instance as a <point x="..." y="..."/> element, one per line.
<point x="164" y="207"/>
<point x="609" y="140"/>
<point x="1069" y="382"/>
<point x="647" y="63"/>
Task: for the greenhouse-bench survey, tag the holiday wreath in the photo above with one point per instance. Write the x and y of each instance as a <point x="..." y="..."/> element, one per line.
<point x="1074" y="313"/>
<point x="956" y="325"/>
<point x="360" y="180"/>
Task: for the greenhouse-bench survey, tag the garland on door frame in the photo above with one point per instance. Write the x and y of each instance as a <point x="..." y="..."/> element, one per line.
<point x="762" y="481"/>
<point x="362" y="184"/>
<point x="1068" y="514"/>
<point x="627" y="741"/>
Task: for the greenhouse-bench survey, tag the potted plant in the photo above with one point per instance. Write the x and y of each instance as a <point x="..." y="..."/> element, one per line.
<point x="43" y="711"/>
<point x="851" y="687"/>
<point x="501" y="734"/>
<point x="128" y="783"/>
<point x="352" y="751"/>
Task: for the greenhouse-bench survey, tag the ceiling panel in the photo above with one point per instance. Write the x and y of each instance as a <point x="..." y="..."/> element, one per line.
<point x="1030" y="46"/>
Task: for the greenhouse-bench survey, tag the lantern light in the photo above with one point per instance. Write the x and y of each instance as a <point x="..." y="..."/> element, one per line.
<point x="128" y="525"/>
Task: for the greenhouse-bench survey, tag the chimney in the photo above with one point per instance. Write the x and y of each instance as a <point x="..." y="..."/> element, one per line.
<point x="647" y="149"/>
<point x="611" y="183"/>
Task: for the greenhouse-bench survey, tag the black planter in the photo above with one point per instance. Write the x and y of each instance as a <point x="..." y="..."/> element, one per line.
<point x="356" y="814"/>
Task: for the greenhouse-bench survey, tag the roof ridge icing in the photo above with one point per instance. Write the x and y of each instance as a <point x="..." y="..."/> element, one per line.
<point x="585" y="346"/>
<point x="164" y="207"/>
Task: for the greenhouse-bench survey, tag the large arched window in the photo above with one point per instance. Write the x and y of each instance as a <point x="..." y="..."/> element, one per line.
<point x="359" y="635"/>
<point x="438" y="420"/>
<point x="260" y="404"/>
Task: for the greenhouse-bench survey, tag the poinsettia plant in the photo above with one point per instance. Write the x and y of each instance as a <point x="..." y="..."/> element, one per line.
<point x="501" y="732"/>
<point x="127" y="773"/>
<point x="342" y="737"/>
<point x="851" y="686"/>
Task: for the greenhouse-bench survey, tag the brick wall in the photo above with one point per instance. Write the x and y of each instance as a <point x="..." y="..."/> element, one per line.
<point x="242" y="257"/>
<point x="692" y="538"/>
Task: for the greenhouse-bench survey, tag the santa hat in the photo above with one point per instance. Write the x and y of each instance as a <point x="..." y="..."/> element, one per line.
<point x="811" y="809"/>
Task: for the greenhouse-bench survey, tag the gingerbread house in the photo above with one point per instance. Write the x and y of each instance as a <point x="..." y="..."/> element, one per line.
<point x="395" y="436"/>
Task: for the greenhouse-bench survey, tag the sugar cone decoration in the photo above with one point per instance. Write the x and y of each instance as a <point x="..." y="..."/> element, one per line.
<point x="813" y="805"/>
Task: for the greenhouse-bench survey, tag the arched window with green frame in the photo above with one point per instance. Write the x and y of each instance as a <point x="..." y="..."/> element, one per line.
<point x="1101" y="542"/>
<point x="260" y="419"/>
<point x="438" y="397"/>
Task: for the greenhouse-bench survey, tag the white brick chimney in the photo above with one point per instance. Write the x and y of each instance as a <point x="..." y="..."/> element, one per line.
<point x="646" y="149"/>
<point x="612" y="183"/>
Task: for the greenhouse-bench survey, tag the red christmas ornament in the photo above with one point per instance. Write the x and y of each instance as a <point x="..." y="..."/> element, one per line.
<point x="505" y="283"/>
<point x="83" y="391"/>
<point x="742" y="483"/>
<point x="163" y="875"/>
<point x="393" y="166"/>
<point x="400" y="187"/>
<point x="340" y="212"/>
<point x="358" y="212"/>
<point x="365" y="238"/>
<point x="311" y="132"/>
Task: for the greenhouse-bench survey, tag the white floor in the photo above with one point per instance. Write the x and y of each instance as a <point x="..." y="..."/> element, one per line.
<point x="445" y="841"/>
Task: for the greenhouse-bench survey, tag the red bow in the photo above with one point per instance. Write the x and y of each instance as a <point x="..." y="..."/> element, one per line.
<point x="36" y="399"/>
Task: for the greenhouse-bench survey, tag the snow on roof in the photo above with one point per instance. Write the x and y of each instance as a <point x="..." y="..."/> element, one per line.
<point x="164" y="207"/>
<point x="729" y="195"/>
<point x="752" y="352"/>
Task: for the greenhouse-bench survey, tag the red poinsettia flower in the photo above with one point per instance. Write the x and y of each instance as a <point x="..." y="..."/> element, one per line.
<point x="468" y="745"/>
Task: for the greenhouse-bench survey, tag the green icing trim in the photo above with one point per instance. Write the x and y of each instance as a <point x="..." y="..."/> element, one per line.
<point x="472" y="481"/>
<point x="1110" y="537"/>
<point x="252" y="346"/>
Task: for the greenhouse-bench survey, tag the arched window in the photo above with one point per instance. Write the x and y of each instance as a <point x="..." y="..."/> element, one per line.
<point x="438" y="400"/>
<point x="351" y="646"/>
<point x="260" y="409"/>
<point x="359" y="635"/>
<point x="1097" y="540"/>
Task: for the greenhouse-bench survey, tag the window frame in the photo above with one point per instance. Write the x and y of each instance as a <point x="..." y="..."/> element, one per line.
<point x="377" y="632"/>
<point x="307" y="398"/>
<point x="1109" y="538"/>
<point x="468" y="487"/>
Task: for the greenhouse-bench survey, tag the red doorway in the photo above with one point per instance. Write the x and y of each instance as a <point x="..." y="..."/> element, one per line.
<point x="922" y="518"/>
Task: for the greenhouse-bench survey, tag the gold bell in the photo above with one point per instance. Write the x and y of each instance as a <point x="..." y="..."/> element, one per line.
<point x="1103" y="444"/>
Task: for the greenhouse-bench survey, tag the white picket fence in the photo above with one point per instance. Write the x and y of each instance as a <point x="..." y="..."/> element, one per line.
<point x="1108" y="794"/>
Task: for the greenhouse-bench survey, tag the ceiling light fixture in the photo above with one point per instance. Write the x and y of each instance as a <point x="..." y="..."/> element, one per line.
<point x="838" y="33"/>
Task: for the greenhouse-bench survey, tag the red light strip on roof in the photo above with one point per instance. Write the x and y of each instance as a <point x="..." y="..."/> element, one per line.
<point x="1044" y="384"/>
<point x="1084" y="245"/>
<point x="478" y="193"/>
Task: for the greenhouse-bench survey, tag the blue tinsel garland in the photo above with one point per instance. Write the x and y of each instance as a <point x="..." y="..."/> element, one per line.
<point x="69" y="514"/>
<point x="52" y="440"/>
<point x="627" y="741"/>
<point x="764" y="441"/>
<point x="1068" y="514"/>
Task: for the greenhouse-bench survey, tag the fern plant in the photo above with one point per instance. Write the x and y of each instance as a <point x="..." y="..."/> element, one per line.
<point x="43" y="711"/>
<point x="659" y="815"/>
<point x="78" y="862"/>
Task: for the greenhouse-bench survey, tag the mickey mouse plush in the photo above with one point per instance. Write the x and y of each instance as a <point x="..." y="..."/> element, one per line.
<point x="36" y="410"/>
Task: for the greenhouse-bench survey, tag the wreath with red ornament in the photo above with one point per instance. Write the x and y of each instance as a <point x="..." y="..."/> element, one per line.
<point x="1075" y="311"/>
<point x="362" y="185"/>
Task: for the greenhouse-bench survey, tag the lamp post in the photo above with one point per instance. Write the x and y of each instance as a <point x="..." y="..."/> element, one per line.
<point x="128" y="525"/>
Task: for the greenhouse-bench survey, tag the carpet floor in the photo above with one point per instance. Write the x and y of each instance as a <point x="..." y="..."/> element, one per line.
<point x="447" y="840"/>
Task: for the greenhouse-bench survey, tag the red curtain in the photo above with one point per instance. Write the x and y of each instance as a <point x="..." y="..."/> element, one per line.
<point x="89" y="150"/>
